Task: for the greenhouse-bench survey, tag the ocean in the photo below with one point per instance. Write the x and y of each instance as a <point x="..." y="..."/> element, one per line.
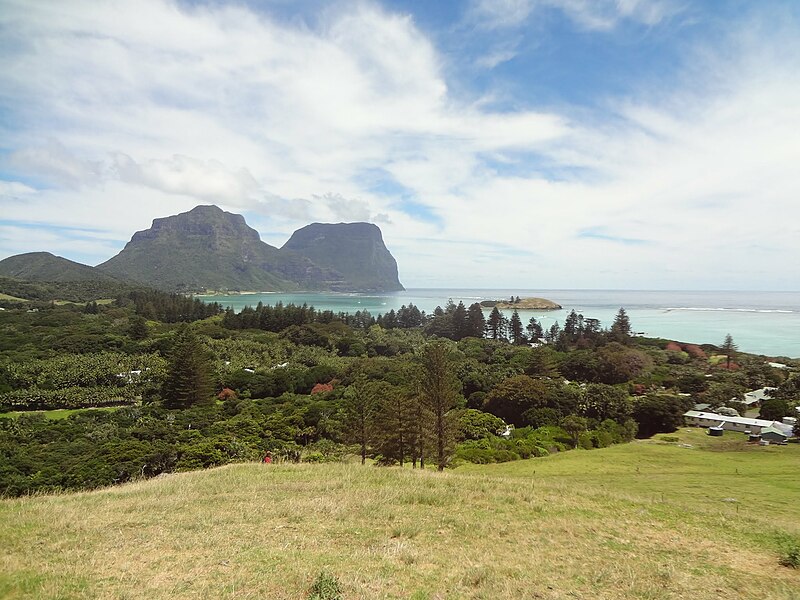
<point x="760" y="322"/>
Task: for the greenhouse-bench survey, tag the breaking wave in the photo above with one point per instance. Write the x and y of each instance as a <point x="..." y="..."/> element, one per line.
<point x="750" y="310"/>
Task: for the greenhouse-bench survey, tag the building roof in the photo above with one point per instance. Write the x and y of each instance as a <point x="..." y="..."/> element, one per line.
<point x="726" y="419"/>
<point x="758" y="395"/>
<point x="773" y="430"/>
<point x="702" y="406"/>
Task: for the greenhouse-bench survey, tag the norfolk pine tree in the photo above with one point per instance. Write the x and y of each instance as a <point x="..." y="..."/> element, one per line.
<point x="137" y="328"/>
<point x="460" y="323"/>
<point x="534" y="329"/>
<point x="515" y="329"/>
<point x="621" y="327"/>
<point x="422" y="430"/>
<point x="439" y="391"/>
<point x="729" y="348"/>
<point x="476" y="322"/>
<point x="394" y="422"/>
<point x="496" y="325"/>
<point x="189" y="372"/>
<point x="361" y="405"/>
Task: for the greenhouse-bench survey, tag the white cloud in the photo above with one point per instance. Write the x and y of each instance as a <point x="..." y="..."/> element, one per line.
<point x="208" y="179"/>
<point x="54" y="163"/>
<point x="598" y="15"/>
<point x="139" y="111"/>
<point x="220" y="104"/>
<point x="79" y="244"/>
<point x="14" y="190"/>
<point x="346" y="209"/>
<point x="496" y="56"/>
<point x="501" y="13"/>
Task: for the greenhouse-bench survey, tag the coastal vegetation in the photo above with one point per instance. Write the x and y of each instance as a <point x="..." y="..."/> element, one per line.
<point x="357" y="413"/>
<point x="186" y="385"/>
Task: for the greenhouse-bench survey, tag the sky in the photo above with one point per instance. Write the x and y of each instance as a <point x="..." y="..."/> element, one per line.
<point x="532" y="144"/>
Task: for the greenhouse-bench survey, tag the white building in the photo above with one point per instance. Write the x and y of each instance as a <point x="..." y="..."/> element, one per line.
<point x="741" y="424"/>
<point x="756" y="397"/>
<point x="777" y="365"/>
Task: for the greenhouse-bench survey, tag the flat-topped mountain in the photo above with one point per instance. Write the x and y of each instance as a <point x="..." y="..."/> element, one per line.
<point x="355" y="250"/>
<point x="208" y="248"/>
<point x="44" y="266"/>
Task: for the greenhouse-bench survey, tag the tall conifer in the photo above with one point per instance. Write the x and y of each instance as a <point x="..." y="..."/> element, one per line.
<point x="189" y="372"/>
<point x="439" y="390"/>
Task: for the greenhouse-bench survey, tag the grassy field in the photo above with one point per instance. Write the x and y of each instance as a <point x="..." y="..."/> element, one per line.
<point x="652" y="519"/>
<point x="12" y="298"/>
<point x="104" y="301"/>
<point x="53" y="415"/>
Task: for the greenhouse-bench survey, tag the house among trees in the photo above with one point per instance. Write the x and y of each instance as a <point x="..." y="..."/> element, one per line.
<point x="756" y="397"/>
<point x="777" y="365"/>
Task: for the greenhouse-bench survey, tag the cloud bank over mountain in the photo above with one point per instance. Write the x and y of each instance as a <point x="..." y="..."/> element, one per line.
<point x="554" y="143"/>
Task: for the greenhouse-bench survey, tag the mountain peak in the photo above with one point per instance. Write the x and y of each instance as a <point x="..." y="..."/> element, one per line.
<point x="209" y="248"/>
<point x="204" y="220"/>
<point x="45" y="266"/>
<point x="356" y="250"/>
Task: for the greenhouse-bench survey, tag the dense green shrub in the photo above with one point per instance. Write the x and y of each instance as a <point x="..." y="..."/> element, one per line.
<point x="476" y="424"/>
<point x="485" y="451"/>
<point x="789" y="548"/>
<point x="325" y="587"/>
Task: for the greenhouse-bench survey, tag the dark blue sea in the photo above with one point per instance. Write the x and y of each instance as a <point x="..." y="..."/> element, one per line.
<point x="760" y="322"/>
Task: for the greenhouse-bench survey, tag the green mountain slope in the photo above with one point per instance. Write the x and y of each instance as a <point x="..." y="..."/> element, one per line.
<point x="44" y="266"/>
<point x="356" y="250"/>
<point x="43" y="276"/>
<point x="208" y="248"/>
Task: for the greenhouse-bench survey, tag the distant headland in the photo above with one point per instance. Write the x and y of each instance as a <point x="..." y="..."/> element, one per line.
<point x="523" y="304"/>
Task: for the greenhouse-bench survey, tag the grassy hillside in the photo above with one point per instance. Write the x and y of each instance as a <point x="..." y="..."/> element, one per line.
<point x="46" y="267"/>
<point x="10" y="298"/>
<point x="644" y="520"/>
<point x="69" y="291"/>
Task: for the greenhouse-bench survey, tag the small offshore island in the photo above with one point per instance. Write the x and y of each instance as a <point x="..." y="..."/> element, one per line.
<point x="523" y="304"/>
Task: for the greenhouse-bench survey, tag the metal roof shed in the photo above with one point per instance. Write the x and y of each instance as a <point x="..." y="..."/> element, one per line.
<point x="773" y="435"/>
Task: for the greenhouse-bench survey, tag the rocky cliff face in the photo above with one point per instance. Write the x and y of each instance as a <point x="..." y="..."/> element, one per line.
<point x="355" y="250"/>
<point x="208" y="248"/>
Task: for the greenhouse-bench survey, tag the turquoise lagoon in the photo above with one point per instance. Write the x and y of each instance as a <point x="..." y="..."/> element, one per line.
<point x="760" y="322"/>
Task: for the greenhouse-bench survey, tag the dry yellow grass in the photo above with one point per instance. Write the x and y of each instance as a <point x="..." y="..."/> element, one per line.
<point x="257" y="531"/>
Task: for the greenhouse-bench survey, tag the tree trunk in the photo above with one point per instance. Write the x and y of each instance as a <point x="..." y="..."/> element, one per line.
<point x="440" y="435"/>
<point x="363" y="440"/>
